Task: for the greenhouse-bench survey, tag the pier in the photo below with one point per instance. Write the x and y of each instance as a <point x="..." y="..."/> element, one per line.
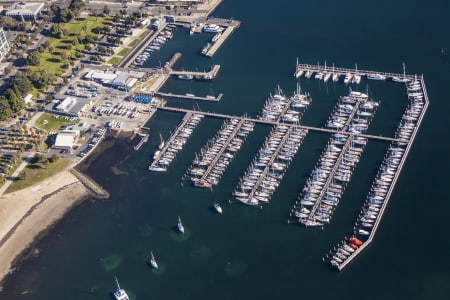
<point x="266" y="122"/>
<point x="217" y="44"/>
<point x="371" y="236"/>
<point x="198" y="75"/>
<point x="311" y="69"/>
<point x="166" y="154"/>
<point x="192" y="97"/>
<point x="144" y="139"/>
<point x="222" y="149"/>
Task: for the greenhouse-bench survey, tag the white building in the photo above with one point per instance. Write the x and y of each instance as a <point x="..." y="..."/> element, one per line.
<point x="24" y="11"/>
<point x="65" y="139"/>
<point x="66" y="104"/>
<point x="4" y="46"/>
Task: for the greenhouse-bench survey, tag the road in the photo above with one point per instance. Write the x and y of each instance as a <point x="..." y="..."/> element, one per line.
<point x="14" y="175"/>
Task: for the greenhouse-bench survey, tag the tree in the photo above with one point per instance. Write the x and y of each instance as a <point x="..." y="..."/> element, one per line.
<point x="65" y="32"/>
<point x="54" y="158"/>
<point x="106" y="10"/>
<point x="8" y="70"/>
<point x="5" y="109"/>
<point x="95" y="12"/>
<point x="34" y="58"/>
<point x="8" y="22"/>
<point x="16" y="102"/>
<point x="23" y="175"/>
<point x="75" y="41"/>
<point x="47" y="44"/>
<point x="66" y="15"/>
<point x="63" y="55"/>
<point x="56" y="30"/>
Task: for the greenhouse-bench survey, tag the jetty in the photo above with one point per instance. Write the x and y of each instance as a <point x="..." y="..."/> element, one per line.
<point x="217" y="44"/>
<point x="167" y="152"/>
<point x="191" y="96"/>
<point x="144" y="139"/>
<point x="198" y="75"/>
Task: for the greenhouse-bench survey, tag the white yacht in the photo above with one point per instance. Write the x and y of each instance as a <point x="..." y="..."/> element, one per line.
<point x="120" y="294"/>
<point x="376" y="76"/>
<point x="212" y="28"/>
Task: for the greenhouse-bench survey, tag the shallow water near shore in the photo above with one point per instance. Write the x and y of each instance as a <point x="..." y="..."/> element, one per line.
<point x="247" y="252"/>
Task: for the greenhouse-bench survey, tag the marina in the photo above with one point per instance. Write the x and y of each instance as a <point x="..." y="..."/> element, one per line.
<point x="210" y="75"/>
<point x="353" y="76"/>
<point x="168" y="149"/>
<point x="376" y="202"/>
<point x="208" y="167"/>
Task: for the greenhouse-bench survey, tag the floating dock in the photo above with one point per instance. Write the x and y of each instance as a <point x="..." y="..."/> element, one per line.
<point x="219" y="42"/>
<point x="198" y="75"/>
<point x="144" y="139"/>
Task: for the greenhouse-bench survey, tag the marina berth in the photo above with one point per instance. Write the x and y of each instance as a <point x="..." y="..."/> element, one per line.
<point x="167" y="151"/>
<point x="209" y="166"/>
<point x="373" y="208"/>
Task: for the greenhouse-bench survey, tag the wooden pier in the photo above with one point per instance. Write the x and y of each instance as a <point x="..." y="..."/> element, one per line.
<point x="144" y="139"/>
<point x="219" y="42"/>
<point x="318" y="129"/>
<point x="393" y="183"/>
<point x="193" y="97"/>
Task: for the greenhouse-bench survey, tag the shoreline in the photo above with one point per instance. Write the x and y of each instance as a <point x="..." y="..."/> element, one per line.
<point x="41" y="207"/>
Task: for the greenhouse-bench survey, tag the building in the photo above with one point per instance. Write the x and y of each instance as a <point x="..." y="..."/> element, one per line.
<point x="65" y="139"/>
<point x="24" y="11"/>
<point x="4" y="46"/>
<point x="66" y="105"/>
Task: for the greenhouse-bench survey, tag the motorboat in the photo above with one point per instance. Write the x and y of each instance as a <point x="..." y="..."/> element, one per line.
<point x="218" y="208"/>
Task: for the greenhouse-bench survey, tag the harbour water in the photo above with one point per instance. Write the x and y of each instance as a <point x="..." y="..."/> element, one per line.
<point x="248" y="252"/>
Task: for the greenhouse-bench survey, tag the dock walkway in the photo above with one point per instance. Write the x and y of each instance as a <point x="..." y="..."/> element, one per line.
<point x="213" y="164"/>
<point x="318" y="129"/>
<point x="217" y="44"/>
<point x="193" y="97"/>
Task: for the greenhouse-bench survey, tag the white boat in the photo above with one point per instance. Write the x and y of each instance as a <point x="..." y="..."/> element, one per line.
<point x="212" y="28"/>
<point x="162" y="143"/>
<point x="153" y="262"/>
<point x="120" y="294"/>
<point x="186" y="76"/>
<point x="218" y="208"/>
<point x="156" y="168"/>
<point x="401" y="79"/>
<point x="376" y="76"/>
<point x="180" y="225"/>
<point x="216" y="37"/>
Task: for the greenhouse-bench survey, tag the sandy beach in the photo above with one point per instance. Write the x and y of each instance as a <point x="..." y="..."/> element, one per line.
<point x="26" y="213"/>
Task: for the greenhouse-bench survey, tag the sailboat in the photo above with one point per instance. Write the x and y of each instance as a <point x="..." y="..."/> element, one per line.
<point x="401" y="79"/>
<point x="335" y="76"/>
<point x="162" y="143"/>
<point x="180" y="225"/>
<point x="153" y="262"/>
<point x="120" y="294"/>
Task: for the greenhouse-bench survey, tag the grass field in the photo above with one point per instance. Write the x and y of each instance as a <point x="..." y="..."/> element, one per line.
<point x="114" y="60"/>
<point x="35" y="173"/>
<point x="50" y="123"/>
<point x="133" y="42"/>
<point x="124" y="51"/>
<point x="53" y="62"/>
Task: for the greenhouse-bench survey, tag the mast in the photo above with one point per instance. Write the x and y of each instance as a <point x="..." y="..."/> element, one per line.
<point x="117" y="282"/>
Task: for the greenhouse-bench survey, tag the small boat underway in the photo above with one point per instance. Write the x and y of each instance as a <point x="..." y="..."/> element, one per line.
<point x="180" y="225"/>
<point x="153" y="262"/>
<point x="218" y="208"/>
<point x="120" y="294"/>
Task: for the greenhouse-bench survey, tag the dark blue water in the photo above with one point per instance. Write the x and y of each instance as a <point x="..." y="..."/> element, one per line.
<point x="249" y="253"/>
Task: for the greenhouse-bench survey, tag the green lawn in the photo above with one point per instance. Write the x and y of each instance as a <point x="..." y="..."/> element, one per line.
<point x="50" y="123"/>
<point x="142" y="35"/>
<point x="35" y="173"/>
<point x="114" y="60"/>
<point x="52" y="62"/>
<point x="124" y="51"/>
<point x="133" y="42"/>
